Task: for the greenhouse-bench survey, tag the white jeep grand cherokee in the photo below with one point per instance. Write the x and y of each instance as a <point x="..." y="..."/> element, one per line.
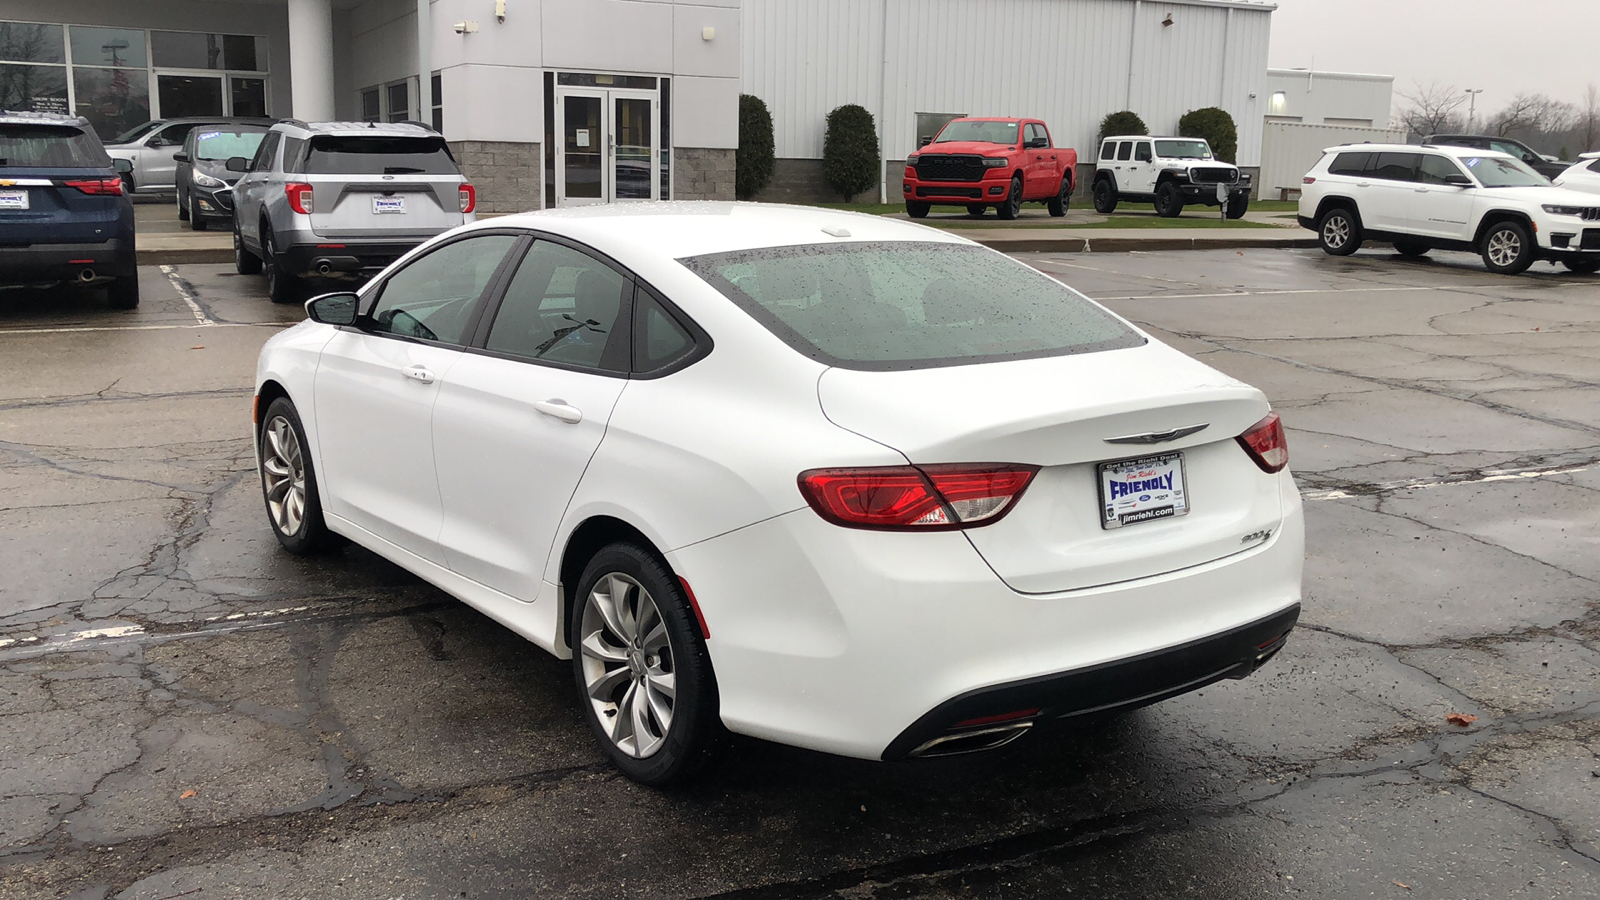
<point x="1424" y="197"/>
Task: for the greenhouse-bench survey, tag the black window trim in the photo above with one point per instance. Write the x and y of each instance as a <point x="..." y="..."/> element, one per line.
<point x="374" y="291"/>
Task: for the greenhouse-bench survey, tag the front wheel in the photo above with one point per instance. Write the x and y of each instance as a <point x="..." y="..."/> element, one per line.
<point x="1507" y="248"/>
<point x="1169" y="201"/>
<point x="1339" y="233"/>
<point x="917" y="210"/>
<point x="288" y="482"/>
<point x="1012" y="207"/>
<point x="1058" y="203"/>
<point x="183" y="208"/>
<point x="1105" y="197"/>
<point x="196" y="222"/>
<point x="1582" y="266"/>
<point x="1238" y="205"/>
<point x="643" y="674"/>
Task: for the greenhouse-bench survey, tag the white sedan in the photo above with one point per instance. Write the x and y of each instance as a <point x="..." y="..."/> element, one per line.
<point x="828" y="479"/>
<point x="1583" y="175"/>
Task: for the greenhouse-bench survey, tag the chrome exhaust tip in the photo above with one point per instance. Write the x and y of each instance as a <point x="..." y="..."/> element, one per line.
<point x="86" y="276"/>
<point x="971" y="741"/>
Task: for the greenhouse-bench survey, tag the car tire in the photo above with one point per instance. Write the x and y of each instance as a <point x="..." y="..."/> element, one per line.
<point x="183" y="208"/>
<point x="917" y="210"/>
<point x="1169" y="201"/>
<point x="977" y="209"/>
<point x="196" y="221"/>
<point x="633" y="632"/>
<point x="281" y="287"/>
<point x="1338" y="232"/>
<point x="244" y="262"/>
<point x="1582" y="266"/>
<point x="1507" y="248"/>
<point x="1412" y="249"/>
<point x="1063" y="198"/>
<point x="124" y="292"/>
<point x="1011" y="207"/>
<point x="1238" y="206"/>
<point x="288" y="482"/>
<point x="1105" y="197"/>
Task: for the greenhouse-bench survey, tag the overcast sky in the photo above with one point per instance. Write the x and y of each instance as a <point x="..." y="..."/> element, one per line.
<point x="1503" y="46"/>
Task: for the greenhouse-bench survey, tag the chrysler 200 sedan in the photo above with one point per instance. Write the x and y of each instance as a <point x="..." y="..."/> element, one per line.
<point x="827" y="479"/>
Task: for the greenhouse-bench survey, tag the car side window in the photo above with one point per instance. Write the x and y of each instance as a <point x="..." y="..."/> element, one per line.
<point x="563" y="306"/>
<point x="263" y="158"/>
<point x="659" y="340"/>
<point x="1142" y="152"/>
<point x="292" y="148"/>
<point x="1108" y="150"/>
<point x="1349" y="164"/>
<point x="1595" y="166"/>
<point x="1434" y="169"/>
<point x="1394" y="166"/>
<point x="433" y="297"/>
<point x="1124" y="151"/>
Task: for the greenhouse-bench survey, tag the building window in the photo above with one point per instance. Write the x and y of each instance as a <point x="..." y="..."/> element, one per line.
<point x="398" y="101"/>
<point x="437" y="92"/>
<point x="370" y="110"/>
<point x="33" y="71"/>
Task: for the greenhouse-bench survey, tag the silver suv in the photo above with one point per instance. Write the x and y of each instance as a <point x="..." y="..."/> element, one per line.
<point x="330" y="201"/>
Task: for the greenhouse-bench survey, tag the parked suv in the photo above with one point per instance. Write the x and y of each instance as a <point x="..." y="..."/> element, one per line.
<point x="342" y="200"/>
<point x="203" y="185"/>
<point x="979" y="163"/>
<point x="1583" y="175"/>
<point x="63" y="215"/>
<point x="151" y="148"/>
<point x="1450" y="198"/>
<point x="1170" y="172"/>
<point x="1516" y="149"/>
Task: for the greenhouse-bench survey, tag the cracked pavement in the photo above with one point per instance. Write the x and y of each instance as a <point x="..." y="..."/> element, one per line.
<point x="187" y="711"/>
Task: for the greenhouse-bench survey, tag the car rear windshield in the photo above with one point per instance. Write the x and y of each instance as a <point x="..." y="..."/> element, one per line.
<point x="376" y="155"/>
<point x="1498" y="172"/>
<point x="50" y="147"/>
<point x="1183" y="150"/>
<point x="895" y="306"/>
<point x="987" y="132"/>
<point x="226" y="144"/>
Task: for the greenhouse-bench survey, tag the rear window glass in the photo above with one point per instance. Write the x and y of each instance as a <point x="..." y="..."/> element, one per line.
<point x="50" y="147"/>
<point x="214" y="144"/>
<point x="895" y="306"/>
<point x="379" y="156"/>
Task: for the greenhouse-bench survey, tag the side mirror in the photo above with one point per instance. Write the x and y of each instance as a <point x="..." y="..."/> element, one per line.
<point x="155" y="143"/>
<point x="123" y="166"/>
<point x="1039" y="144"/>
<point x="334" y="309"/>
<point x="1458" y="180"/>
<point x="181" y="157"/>
<point x="237" y="164"/>
<point x="923" y="142"/>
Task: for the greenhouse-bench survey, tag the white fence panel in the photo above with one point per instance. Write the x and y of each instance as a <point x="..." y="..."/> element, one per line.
<point x="1290" y="149"/>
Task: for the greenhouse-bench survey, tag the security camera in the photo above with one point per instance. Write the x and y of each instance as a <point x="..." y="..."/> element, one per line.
<point x="468" y="27"/>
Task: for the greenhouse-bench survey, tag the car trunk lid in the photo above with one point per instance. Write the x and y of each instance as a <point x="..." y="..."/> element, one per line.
<point x="382" y="187"/>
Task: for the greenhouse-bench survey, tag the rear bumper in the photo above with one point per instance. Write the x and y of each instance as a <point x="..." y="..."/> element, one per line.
<point x="342" y="257"/>
<point x="50" y="263"/>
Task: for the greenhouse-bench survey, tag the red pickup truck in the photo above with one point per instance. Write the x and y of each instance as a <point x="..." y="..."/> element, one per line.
<point x="979" y="163"/>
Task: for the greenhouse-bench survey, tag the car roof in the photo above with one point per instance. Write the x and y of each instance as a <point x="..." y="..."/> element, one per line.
<point x="1414" y="148"/>
<point x="683" y="228"/>
<point x="361" y="129"/>
<point x="18" y="117"/>
<point x="1592" y="155"/>
<point x="1148" y="137"/>
<point x="995" y="119"/>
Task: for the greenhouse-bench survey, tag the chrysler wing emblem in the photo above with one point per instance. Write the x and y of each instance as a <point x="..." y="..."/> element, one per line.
<point x="1158" y="437"/>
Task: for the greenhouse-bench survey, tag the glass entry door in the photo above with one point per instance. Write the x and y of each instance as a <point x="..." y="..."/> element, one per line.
<point x="608" y="149"/>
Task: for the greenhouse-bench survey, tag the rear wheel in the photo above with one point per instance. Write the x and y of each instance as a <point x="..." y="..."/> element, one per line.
<point x="643" y="674"/>
<point x="281" y="286"/>
<point x="1012" y="207"/>
<point x="1058" y="204"/>
<point x="1169" y="201"/>
<point x="1582" y="266"/>
<point x="288" y="483"/>
<point x="1105" y="197"/>
<point x="244" y="262"/>
<point x="917" y="210"/>
<point x="1507" y="248"/>
<point x="976" y="209"/>
<point x="1338" y="232"/>
<point x="124" y="292"/>
<point x="1411" y="248"/>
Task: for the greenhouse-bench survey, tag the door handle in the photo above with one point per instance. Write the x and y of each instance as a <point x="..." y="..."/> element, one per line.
<point x="559" y="409"/>
<point x="419" y="373"/>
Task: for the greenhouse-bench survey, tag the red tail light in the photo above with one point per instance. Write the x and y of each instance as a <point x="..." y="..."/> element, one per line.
<point x="299" y="195"/>
<point x="1266" y="444"/>
<point x="108" y="187"/>
<point x="469" y="198"/>
<point x="1308" y="180"/>
<point x="912" y="498"/>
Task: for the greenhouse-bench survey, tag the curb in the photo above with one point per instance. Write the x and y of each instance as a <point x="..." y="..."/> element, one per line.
<point x="1123" y="245"/>
<point x="172" y="256"/>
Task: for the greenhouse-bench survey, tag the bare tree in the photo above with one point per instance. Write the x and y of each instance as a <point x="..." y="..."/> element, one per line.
<point x="1431" y="108"/>
<point x="1589" y="118"/>
<point x="1534" y="115"/>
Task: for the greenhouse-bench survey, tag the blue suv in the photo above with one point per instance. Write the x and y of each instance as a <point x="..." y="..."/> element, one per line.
<point x="63" y="216"/>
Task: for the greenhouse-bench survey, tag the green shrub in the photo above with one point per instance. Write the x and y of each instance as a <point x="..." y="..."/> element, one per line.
<point x="851" y="163"/>
<point x="1216" y="126"/>
<point x="1125" y="122"/>
<point x="754" y="160"/>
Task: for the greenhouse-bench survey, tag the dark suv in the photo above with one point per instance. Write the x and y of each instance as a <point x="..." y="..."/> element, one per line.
<point x="1516" y="148"/>
<point x="63" y="215"/>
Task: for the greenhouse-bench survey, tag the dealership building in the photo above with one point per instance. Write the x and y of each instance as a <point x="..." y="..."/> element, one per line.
<point x="567" y="102"/>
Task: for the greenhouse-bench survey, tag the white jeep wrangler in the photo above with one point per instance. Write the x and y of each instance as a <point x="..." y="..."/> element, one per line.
<point x="1170" y="172"/>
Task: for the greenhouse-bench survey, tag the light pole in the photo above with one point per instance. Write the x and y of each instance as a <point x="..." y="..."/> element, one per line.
<point x="1472" y="110"/>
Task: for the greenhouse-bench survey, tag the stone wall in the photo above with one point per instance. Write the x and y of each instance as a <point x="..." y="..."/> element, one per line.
<point x="702" y="173"/>
<point x="505" y="175"/>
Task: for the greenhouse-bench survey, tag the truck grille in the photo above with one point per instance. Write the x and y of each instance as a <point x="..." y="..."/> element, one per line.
<point x="949" y="167"/>
<point x="1213" y="175"/>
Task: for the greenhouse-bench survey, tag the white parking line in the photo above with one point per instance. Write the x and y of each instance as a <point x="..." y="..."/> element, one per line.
<point x="1417" y="484"/>
<point x="209" y="324"/>
<point x="1359" y="290"/>
<point x="187" y="295"/>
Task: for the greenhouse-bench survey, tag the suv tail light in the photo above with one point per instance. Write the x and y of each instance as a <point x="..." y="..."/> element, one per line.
<point x="1308" y="180"/>
<point x="915" y="498"/>
<point x="299" y="195"/>
<point x="110" y="187"/>
<point x="469" y="198"/>
<point x="1265" y="443"/>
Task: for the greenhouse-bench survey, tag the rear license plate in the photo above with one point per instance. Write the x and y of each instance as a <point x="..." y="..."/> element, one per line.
<point x="381" y="205"/>
<point x="13" y="199"/>
<point x="1139" y="490"/>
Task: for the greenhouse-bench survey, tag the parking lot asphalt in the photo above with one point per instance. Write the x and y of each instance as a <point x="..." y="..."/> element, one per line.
<point x="187" y="711"/>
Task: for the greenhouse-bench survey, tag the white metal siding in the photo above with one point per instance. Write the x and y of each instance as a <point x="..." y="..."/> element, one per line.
<point x="1290" y="149"/>
<point x="1065" y="61"/>
<point x="1318" y="96"/>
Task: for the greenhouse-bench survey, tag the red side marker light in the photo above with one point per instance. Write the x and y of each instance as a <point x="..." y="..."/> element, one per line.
<point x="705" y="631"/>
<point x="1003" y="717"/>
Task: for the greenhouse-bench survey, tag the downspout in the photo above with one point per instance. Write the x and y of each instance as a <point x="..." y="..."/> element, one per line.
<point x="424" y="62"/>
<point x="1133" y="52"/>
<point x="883" y="93"/>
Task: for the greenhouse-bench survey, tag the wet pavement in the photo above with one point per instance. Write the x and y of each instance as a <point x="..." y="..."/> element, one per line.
<point x="187" y="711"/>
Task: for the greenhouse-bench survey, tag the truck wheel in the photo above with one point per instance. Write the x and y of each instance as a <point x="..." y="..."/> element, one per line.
<point x="917" y="210"/>
<point x="1105" y="197"/>
<point x="1339" y="232"/>
<point x="1058" y="204"/>
<point x="1012" y="207"/>
<point x="976" y="209"/>
<point x="1507" y="248"/>
<point x="1238" y="206"/>
<point x="1169" y="202"/>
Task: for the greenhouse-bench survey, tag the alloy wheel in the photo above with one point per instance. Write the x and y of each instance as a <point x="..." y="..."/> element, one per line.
<point x="1336" y="232"/>
<point x="283" y="469"/>
<point x="1504" y="247"/>
<point x="627" y="665"/>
